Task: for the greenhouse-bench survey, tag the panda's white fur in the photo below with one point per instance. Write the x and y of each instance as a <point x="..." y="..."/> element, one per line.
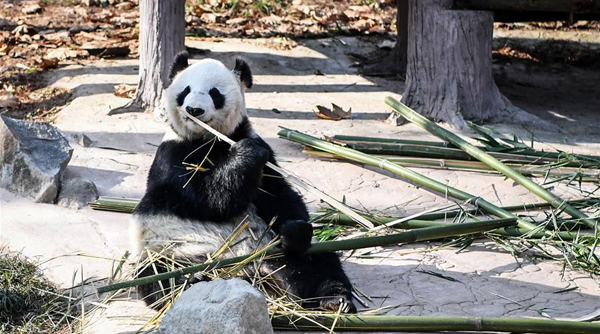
<point x="201" y="77"/>
<point x="193" y="240"/>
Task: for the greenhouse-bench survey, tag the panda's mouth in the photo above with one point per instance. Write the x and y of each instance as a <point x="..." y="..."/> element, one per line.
<point x="188" y="119"/>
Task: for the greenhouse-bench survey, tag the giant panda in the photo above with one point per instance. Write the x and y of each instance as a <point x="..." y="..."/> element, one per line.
<point x="185" y="215"/>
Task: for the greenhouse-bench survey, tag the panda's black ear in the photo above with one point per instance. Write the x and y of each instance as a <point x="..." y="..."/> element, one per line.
<point x="243" y="71"/>
<point x="179" y="64"/>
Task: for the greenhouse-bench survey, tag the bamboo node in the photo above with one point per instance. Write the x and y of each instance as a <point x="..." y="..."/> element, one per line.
<point x="478" y="324"/>
<point x="382" y="163"/>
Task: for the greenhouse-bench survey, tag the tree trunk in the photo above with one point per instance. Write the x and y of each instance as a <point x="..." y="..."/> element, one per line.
<point x="394" y="63"/>
<point x="162" y="36"/>
<point x="449" y="70"/>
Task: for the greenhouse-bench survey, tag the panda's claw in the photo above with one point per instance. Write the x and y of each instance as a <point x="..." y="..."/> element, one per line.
<point x="338" y="304"/>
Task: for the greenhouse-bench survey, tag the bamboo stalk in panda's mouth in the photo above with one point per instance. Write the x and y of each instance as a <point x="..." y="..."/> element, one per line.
<point x="290" y="177"/>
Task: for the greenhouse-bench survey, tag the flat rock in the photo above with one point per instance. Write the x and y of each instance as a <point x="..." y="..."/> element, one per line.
<point x="33" y="157"/>
<point x="76" y="193"/>
<point x="219" y="306"/>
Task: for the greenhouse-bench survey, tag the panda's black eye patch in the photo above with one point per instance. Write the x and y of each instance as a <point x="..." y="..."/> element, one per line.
<point x="217" y="97"/>
<point x="181" y="96"/>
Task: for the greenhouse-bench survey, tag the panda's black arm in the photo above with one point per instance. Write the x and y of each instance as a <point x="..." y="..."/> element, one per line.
<point x="222" y="193"/>
<point x="276" y="198"/>
<point x="229" y="187"/>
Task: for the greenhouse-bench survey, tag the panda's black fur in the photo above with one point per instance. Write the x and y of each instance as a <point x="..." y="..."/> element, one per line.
<point x="198" y="208"/>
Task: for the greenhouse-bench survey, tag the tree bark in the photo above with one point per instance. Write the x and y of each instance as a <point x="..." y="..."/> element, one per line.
<point x="394" y="63"/>
<point x="449" y="70"/>
<point x="162" y="36"/>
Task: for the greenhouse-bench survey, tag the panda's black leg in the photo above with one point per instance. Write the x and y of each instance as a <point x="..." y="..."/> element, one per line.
<point x="320" y="279"/>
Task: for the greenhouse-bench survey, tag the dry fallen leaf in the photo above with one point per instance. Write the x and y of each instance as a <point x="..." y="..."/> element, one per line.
<point x="48" y="63"/>
<point x="126" y="91"/>
<point x="334" y="114"/>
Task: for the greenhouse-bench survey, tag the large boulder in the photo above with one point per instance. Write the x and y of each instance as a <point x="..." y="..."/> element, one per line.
<point x="33" y="157"/>
<point x="219" y="306"/>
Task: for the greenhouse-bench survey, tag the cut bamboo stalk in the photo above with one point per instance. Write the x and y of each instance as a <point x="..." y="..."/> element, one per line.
<point x="422" y="234"/>
<point x="451" y="153"/>
<point x="519" y="151"/>
<point x="360" y="139"/>
<point x="406" y="173"/>
<point x="340" y="218"/>
<point x="590" y="175"/>
<point x="126" y="205"/>
<point x="432" y="324"/>
<point x="455" y="140"/>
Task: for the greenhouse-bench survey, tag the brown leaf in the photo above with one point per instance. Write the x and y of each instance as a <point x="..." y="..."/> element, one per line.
<point x="49" y="63"/>
<point x="335" y="114"/>
<point x="126" y="91"/>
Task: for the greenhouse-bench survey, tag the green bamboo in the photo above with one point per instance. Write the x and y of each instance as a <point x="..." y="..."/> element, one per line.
<point x="406" y="173"/>
<point x="341" y="219"/>
<point x="127" y="205"/>
<point x="346" y="139"/>
<point x="325" y="217"/>
<point x="432" y="324"/>
<point x="423" y="234"/>
<point x="451" y="153"/>
<point x="477" y="166"/>
<point x="455" y="140"/>
<point x="518" y="151"/>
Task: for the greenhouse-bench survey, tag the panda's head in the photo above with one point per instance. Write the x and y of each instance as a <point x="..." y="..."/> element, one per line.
<point x="208" y="91"/>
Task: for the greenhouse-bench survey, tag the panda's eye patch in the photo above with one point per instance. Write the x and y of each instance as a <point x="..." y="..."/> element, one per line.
<point x="181" y="96"/>
<point x="217" y="97"/>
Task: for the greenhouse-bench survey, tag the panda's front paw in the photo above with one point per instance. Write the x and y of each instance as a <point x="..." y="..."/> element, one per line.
<point x="251" y="148"/>
<point x="296" y="236"/>
<point x="338" y="303"/>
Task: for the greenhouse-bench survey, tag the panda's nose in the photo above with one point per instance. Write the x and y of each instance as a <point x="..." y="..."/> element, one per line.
<point x="195" y="111"/>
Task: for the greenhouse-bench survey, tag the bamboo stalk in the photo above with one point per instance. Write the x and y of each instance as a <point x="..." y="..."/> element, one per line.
<point x="455" y="140"/>
<point x="432" y="324"/>
<point x="423" y="234"/>
<point x="324" y="217"/>
<point x="450" y="153"/>
<point x="406" y="173"/>
<point x="127" y="205"/>
<point x="289" y="176"/>
<point x="346" y="139"/>
<point x="518" y="151"/>
<point x="591" y="175"/>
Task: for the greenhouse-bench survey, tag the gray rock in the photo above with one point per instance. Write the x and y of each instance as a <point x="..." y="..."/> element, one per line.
<point x="76" y="193"/>
<point x="33" y="157"/>
<point x="219" y="306"/>
<point x="82" y="139"/>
